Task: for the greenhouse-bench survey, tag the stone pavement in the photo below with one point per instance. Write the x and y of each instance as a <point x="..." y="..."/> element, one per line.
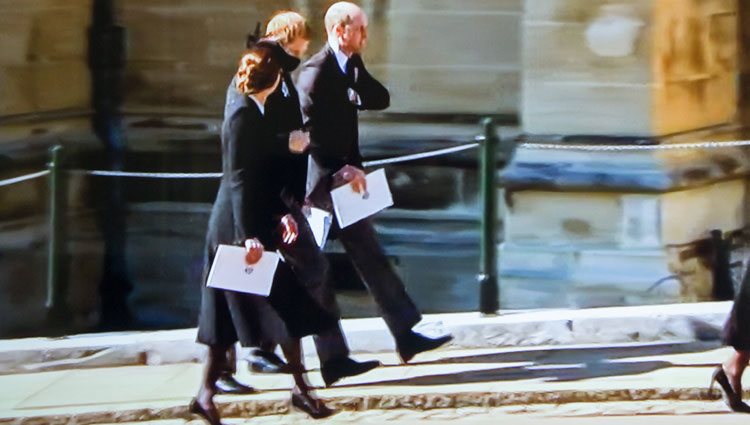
<point x="614" y="325"/>
<point x="518" y="362"/>
<point x="568" y="414"/>
<point x="580" y="380"/>
<point x="704" y="415"/>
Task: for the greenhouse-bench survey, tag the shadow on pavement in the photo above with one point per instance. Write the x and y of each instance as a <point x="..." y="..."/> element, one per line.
<point x="563" y="364"/>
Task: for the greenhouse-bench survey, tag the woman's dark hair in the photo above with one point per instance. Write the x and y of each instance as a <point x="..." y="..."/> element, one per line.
<point x="258" y="69"/>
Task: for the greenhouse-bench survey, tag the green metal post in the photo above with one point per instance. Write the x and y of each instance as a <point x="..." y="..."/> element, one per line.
<point x="489" y="293"/>
<point x="57" y="263"/>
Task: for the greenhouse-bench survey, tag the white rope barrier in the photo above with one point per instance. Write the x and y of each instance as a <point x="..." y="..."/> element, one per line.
<point x="615" y="148"/>
<point x="416" y="156"/>
<point x="26" y="177"/>
<point x="145" y="175"/>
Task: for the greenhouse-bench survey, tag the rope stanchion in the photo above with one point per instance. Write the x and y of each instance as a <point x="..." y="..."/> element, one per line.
<point x="24" y="178"/>
<point x="493" y="153"/>
<point x="58" y="261"/>
<point x="411" y="157"/>
<point x="488" y="277"/>
<point x="417" y="156"/>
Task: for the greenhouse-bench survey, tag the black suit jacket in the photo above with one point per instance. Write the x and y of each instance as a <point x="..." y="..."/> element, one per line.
<point x="282" y="115"/>
<point x="332" y="118"/>
<point x="254" y="189"/>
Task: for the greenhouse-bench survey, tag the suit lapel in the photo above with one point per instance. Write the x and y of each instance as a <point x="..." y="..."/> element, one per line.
<point x="333" y="66"/>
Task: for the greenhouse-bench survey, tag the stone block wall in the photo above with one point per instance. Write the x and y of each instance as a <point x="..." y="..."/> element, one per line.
<point x="744" y="61"/>
<point x="181" y="55"/>
<point x="629" y="241"/>
<point x="628" y="67"/>
<point x="43" y="46"/>
<point x="452" y="57"/>
<point x="436" y="56"/>
<point x="637" y="221"/>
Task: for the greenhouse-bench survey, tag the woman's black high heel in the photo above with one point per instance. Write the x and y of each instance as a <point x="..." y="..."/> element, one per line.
<point x="731" y="399"/>
<point x="310" y="405"/>
<point x="212" y="418"/>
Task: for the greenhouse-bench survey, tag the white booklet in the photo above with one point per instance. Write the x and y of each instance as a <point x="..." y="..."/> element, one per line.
<point x="229" y="271"/>
<point x="320" y="223"/>
<point x="351" y="207"/>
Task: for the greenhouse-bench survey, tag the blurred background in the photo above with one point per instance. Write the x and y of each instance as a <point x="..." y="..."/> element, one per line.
<point x="139" y="85"/>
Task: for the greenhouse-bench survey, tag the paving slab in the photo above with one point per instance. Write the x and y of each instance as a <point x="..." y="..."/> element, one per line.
<point x="674" y="322"/>
<point x="520" y="379"/>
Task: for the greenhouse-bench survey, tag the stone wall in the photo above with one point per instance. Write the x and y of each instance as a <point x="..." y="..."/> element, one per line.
<point x="181" y="55"/>
<point x="601" y="241"/>
<point x="445" y="56"/>
<point x="436" y="56"/>
<point x="744" y="61"/>
<point x="637" y="221"/>
<point x="628" y="67"/>
<point x="43" y="55"/>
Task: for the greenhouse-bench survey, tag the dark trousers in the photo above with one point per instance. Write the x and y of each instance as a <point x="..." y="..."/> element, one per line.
<point x="396" y="307"/>
<point x="363" y="248"/>
<point x="311" y="268"/>
<point x="737" y="326"/>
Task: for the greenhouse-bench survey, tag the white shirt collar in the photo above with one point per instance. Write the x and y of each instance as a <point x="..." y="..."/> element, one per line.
<point x="261" y="107"/>
<point x="341" y="57"/>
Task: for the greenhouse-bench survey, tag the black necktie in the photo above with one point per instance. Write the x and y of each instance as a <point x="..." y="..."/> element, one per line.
<point x="351" y="72"/>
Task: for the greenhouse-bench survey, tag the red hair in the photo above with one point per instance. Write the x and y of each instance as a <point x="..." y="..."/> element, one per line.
<point x="257" y="71"/>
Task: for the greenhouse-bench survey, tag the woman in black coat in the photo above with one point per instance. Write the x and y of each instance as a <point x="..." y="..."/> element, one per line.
<point x="250" y="209"/>
<point x="737" y="336"/>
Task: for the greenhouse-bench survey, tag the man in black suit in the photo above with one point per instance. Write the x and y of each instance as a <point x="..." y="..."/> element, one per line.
<point x="334" y="86"/>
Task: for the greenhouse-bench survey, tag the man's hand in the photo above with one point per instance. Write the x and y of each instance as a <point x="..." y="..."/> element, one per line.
<point x="254" y="250"/>
<point x="355" y="176"/>
<point x="298" y="141"/>
<point x="307" y="208"/>
<point x="357" y="65"/>
<point x="289" y="229"/>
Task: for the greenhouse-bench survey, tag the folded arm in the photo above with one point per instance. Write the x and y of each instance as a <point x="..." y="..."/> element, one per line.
<point x="372" y="94"/>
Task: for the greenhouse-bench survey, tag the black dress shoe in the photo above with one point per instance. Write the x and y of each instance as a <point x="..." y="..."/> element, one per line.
<point x="335" y="369"/>
<point x="312" y="406"/>
<point x="210" y="415"/>
<point x="411" y="343"/>
<point x="226" y="384"/>
<point x="260" y="361"/>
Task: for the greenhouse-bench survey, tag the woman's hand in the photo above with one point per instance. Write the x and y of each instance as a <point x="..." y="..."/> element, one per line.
<point x="289" y="229"/>
<point x="298" y="141"/>
<point x="254" y="250"/>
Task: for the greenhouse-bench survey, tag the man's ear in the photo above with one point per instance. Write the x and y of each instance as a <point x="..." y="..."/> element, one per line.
<point x="339" y="30"/>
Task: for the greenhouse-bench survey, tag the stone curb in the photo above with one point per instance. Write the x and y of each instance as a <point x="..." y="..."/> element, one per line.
<point x="250" y="406"/>
<point x="673" y="322"/>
